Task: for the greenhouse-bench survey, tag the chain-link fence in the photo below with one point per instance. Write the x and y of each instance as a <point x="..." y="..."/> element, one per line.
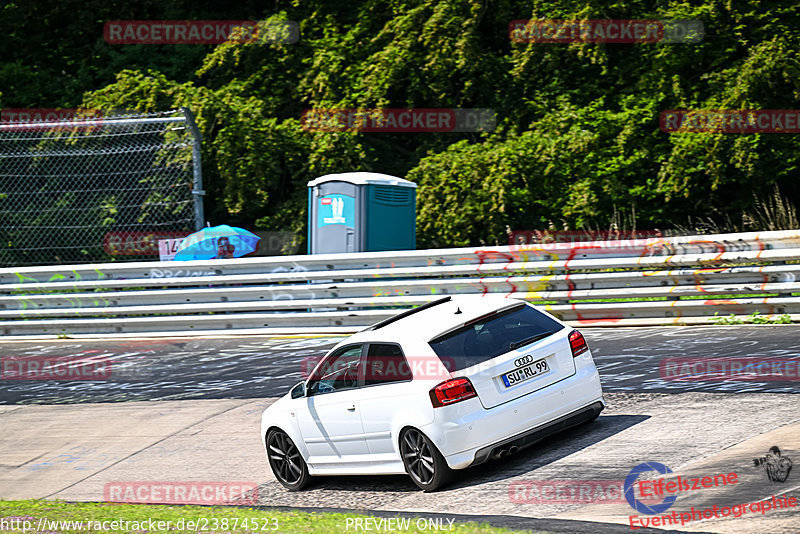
<point x="97" y="189"/>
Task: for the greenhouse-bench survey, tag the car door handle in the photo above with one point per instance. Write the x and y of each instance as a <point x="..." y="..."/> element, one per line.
<point x="352" y="408"/>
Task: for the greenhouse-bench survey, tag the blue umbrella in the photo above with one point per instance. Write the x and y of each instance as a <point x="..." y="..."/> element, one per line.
<point x="210" y="243"/>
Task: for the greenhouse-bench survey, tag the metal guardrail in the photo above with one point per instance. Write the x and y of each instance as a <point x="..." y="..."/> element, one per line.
<point x="655" y="281"/>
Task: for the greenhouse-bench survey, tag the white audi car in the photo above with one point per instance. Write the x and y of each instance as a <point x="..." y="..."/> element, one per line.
<point x="440" y="387"/>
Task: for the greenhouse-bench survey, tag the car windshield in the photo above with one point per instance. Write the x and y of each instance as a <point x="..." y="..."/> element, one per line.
<point x="489" y="337"/>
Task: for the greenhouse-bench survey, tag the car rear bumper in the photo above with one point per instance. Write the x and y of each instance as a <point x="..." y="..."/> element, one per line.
<point x="468" y="434"/>
<point x="529" y="437"/>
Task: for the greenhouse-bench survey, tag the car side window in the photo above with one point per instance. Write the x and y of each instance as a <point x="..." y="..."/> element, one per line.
<point x="386" y="364"/>
<point x="337" y="372"/>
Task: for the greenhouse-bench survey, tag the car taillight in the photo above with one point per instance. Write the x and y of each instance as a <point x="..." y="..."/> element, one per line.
<point x="452" y="391"/>
<point x="577" y="343"/>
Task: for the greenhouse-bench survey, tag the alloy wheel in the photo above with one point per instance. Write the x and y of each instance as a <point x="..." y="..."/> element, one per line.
<point x="418" y="456"/>
<point x="287" y="464"/>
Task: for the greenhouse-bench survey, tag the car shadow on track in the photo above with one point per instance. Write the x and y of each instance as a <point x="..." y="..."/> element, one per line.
<point x="361" y="492"/>
<point x="545" y="452"/>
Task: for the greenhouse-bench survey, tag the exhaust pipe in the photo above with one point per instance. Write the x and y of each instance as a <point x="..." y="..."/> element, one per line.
<point x="502" y="453"/>
<point x="499" y="453"/>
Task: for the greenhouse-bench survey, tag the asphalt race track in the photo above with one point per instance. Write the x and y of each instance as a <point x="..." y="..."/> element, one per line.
<point x="69" y="439"/>
<point x="256" y="367"/>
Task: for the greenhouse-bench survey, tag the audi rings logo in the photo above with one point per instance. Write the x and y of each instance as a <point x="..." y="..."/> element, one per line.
<point x="525" y="360"/>
<point x="631" y="479"/>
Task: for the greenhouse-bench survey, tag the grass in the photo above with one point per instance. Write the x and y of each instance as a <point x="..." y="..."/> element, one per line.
<point x="143" y="518"/>
<point x="706" y="296"/>
<point x="753" y="318"/>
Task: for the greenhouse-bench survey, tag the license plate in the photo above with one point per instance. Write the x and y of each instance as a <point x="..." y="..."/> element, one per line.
<point x="525" y="373"/>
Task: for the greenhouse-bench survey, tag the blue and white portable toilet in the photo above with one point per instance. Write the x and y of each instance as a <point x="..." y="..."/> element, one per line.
<point x="361" y="212"/>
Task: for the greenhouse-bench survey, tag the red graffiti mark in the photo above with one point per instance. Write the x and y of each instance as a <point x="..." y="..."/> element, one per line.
<point x="764" y="277"/>
<point x="484" y="255"/>
<point x="574" y="252"/>
<point x="570" y="285"/>
<point x="539" y="248"/>
<point x="522" y="253"/>
<point x="484" y="288"/>
<point x="513" y="287"/>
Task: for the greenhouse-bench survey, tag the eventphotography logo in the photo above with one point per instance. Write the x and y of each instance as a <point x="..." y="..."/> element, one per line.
<point x="638" y="504"/>
<point x="637" y="488"/>
<point x="775" y="464"/>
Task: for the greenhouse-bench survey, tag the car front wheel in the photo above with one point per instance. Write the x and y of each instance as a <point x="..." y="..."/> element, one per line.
<point x="286" y="461"/>
<point x="423" y="461"/>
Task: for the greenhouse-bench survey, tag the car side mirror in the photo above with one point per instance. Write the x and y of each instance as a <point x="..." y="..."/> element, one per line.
<point x="299" y="390"/>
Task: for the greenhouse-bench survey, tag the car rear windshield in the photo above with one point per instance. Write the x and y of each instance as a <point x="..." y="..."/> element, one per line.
<point x="490" y="336"/>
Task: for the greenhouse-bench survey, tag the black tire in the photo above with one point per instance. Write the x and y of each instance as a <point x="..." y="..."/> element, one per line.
<point x="423" y="462"/>
<point x="286" y="461"/>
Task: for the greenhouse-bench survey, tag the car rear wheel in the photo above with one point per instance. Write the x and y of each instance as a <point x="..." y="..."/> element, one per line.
<point x="423" y="461"/>
<point x="286" y="461"/>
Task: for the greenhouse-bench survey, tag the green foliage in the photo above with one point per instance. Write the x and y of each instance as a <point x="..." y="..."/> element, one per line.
<point x="753" y="318"/>
<point x="577" y="142"/>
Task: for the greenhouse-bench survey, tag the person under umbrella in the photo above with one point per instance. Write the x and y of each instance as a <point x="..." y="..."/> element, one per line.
<point x="225" y="249"/>
<point x="217" y="242"/>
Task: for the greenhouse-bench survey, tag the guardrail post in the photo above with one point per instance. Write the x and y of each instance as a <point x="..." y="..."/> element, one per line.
<point x="197" y="167"/>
